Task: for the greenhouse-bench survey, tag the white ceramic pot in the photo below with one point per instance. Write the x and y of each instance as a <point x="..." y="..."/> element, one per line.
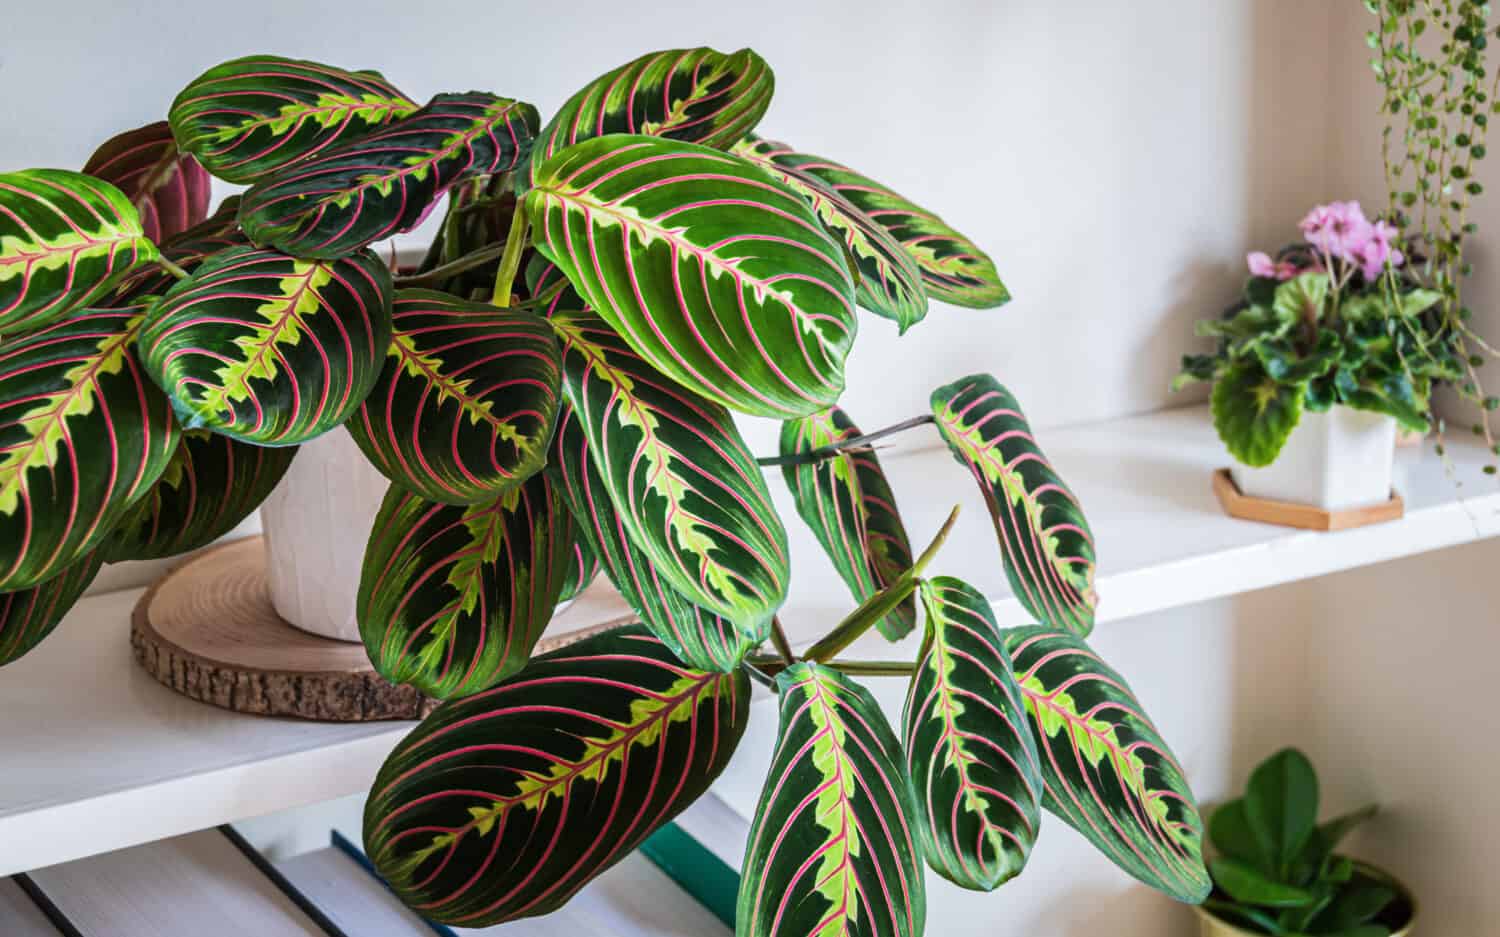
<point x="1335" y="460"/>
<point x="316" y="524"/>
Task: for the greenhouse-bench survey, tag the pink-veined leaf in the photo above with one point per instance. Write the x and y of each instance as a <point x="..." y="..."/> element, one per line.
<point x="169" y="189"/>
<point x="954" y="269"/>
<point x="833" y="848"/>
<point x="849" y="505"/>
<point x="969" y="748"/>
<point x="66" y="241"/>
<point x="83" y="436"/>
<point x="464" y="408"/>
<point x="1045" y="540"/>
<point x="453" y="598"/>
<point x="251" y="116"/>
<point x="28" y="616"/>
<point x="268" y="349"/>
<point x="688" y="492"/>
<point x="697" y="95"/>
<point x="1108" y="772"/>
<point x="713" y="271"/>
<point x="888" y="280"/>
<point x="384" y="183"/>
<point x="503" y="805"/>
<point x="697" y="636"/>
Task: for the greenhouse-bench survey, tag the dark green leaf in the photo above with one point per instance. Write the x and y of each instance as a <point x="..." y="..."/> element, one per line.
<point x="1253" y="413"/>
<point x="504" y="804"/>
<point x="831" y="850"/>
<point x="1281" y="805"/>
<point x="29" y="615"/>
<point x="848" y="503"/>
<point x="1244" y="883"/>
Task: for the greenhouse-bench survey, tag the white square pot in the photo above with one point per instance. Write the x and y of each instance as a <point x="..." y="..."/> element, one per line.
<point x="1336" y="460"/>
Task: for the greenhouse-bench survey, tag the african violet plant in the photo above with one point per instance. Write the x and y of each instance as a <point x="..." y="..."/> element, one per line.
<point x="551" y="393"/>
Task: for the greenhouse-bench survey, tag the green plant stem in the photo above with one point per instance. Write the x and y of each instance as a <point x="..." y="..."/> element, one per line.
<point x="854" y="442"/>
<point x="453" y="267"/>
<point x="854" y="668"/>
<point x="510" y="261"/>
<point x="778" y="638"/>
<point x="881" y="603"/>
<point x="172" y="268"/>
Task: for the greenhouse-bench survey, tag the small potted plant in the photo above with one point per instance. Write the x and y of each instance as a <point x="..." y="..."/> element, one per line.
<point x="1329" y="351"/>
<point x="1276" y="871"/>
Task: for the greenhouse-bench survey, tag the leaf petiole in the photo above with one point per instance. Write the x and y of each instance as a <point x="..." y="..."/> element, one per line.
<point x="510" y="261"/>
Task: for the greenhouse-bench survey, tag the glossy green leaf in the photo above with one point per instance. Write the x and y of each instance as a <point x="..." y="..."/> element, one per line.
<point x="384" y="183"/>
<point x="464" y="408"/>
<point x="687" y="489"/>
<point x="211" y="484"/>
<point x="268" y="349"/>
<point x="1108" y="772"/>
<point x="83" y="436"/>
<point x="1254" y="413"/>
<point x="1332" y="832"/>
<point x="66" y="240"/>
<point x="697" y="636"/>
<point x="697" y="95"/>
<point x="1229" y="831"/>
<point x="849" y="505"/>
<point x="252" y="116"/>
<point x="1281" y="806"/>
<point x="169" y="189"/>
<point x="888" y="280"/>
<point x="504" y="804"/>
<point x="833" y="848"/>
<point x="1045" y="540"/>
<point x="969" y="749"/>
<point x="718" y="275"/>
<point x="453" y="598"/>
<point x="29" y="615"/>
<point x="1244" y="883"/>
<point x="954" y="269"/>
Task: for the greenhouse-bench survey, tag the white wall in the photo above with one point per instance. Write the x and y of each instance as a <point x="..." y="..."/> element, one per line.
<point x="1115" y="159"/>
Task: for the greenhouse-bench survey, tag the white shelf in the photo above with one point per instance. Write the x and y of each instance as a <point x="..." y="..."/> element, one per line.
<point x="98" y="756"/>
<point x="1160" y="537"/>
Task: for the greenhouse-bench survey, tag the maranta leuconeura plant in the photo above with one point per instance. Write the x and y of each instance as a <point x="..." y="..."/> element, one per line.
<point x="553" y="392"/>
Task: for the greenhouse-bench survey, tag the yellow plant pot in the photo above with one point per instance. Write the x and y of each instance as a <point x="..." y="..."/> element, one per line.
<point x="1211" y="926"/>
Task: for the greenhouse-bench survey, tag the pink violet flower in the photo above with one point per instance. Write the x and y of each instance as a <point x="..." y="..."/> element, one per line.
<point x="1339" y="229"/>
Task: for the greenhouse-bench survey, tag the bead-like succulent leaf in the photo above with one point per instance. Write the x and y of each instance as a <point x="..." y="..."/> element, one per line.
<point x="717" y="274"/>
<point x="1108" y="772"/>
<point x="954" y="269"/>
<point x="698" y="95"/>
<point x="504" y="804"/>
<point x="268" y="349"/>
<point x="688" y="491"/>
<point x="453" y="598"/>
<point x="168" y="188"/>
<point x="385" y="183"/>
<point x="969" y="746"/>
<point x="1048" y="549"/>
<point x="889" y="282"/>
<point x="212" y="483"/>
<point x="833" y="849"/>
<point x="848" y="503"/>
<point x="83" y="436"/>
<point x="465" y="405"/>
<point x="28" y="616"/>
<point x="252" y="116"/>
<point x="66" y="240"/>
<point x="697" y="636"/>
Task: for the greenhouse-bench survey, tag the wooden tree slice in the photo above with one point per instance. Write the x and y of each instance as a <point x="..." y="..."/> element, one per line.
<point x="208" y="630"/>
